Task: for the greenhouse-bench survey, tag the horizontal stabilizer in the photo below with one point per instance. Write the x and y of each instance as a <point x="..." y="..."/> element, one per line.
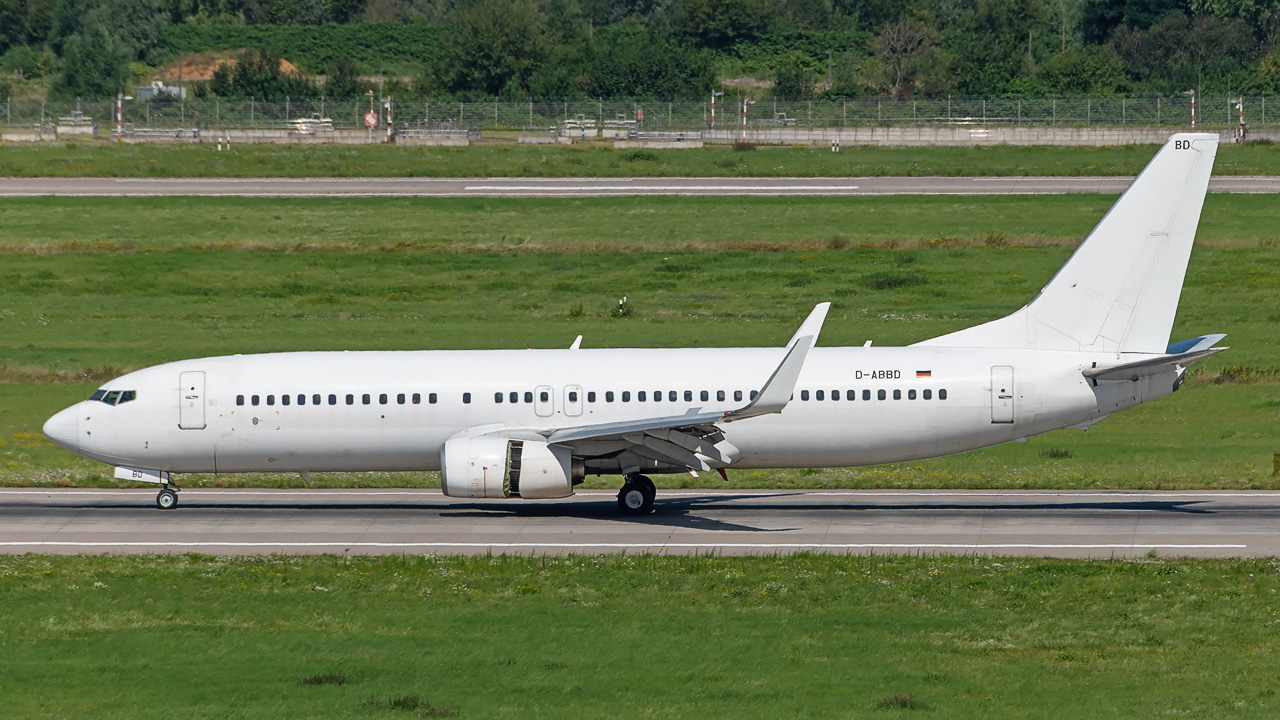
<point x="1199" y="349"/>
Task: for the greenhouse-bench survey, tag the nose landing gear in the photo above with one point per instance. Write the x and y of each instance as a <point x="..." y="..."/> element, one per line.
<point x="636" y="496"/>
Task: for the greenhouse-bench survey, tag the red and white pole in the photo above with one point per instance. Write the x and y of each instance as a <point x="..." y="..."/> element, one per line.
<point x="119" y="115"/>
<point x="386" y="103"/>
<point x="1193" y="109"/>
<point x="744" y="119"/>
<point x="713" y="110"/>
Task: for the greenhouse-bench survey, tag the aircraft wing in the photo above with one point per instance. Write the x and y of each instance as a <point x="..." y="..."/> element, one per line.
<point x="1180" y="355"/>
<point x="695" y="438"/>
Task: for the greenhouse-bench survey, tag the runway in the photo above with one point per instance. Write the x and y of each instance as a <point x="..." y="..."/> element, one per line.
<point x="590" y="187"/>
<point x="727" y="522"/>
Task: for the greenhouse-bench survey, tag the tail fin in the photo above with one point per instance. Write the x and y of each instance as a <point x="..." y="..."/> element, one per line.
<point x="1119" y="291"/>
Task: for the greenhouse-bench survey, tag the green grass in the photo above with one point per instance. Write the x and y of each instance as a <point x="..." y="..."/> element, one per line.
<point x="796" y="637"/>
<point x="496" y="160"/>
<point x="91" y="288"/>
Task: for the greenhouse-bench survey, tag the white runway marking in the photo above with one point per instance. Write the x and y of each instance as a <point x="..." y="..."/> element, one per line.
<point x="672" y="188"/>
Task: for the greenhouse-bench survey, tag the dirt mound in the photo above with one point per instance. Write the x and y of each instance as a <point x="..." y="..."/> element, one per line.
<point x="201" y="66"/>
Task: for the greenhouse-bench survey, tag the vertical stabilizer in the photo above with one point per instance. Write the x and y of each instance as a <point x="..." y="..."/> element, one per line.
<point x="1119" y="291"/>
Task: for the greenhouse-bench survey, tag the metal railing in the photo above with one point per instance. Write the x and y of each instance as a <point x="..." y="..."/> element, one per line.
<point x="1260" y="111"/>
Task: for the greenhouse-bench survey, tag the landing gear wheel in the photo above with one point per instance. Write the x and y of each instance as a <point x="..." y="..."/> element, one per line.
<point x="637" y="495"/>
<point x="167" y="499"/>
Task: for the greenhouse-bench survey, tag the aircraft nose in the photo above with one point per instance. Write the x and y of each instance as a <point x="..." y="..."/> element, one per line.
<point x="64" y="429"/>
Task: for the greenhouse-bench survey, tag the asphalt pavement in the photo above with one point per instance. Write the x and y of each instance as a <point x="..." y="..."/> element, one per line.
<point x="728" y="522"/>
<point x="591" y="187"/>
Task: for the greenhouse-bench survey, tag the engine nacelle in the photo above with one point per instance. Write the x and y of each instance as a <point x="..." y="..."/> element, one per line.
<point x="498" y="467"/>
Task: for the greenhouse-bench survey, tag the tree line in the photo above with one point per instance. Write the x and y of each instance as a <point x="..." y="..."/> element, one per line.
<point x="651" y="48"/>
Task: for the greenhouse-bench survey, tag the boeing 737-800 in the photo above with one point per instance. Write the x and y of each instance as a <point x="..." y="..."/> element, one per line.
<point x="533" y="423"/>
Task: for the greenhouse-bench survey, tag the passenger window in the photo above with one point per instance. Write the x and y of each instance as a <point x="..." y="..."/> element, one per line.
<point x="671" y="395"/>
<point x="315" y="400"/>
<point x="271" y="399"/>
<point x="835" y="394"/>
<point x="719" y="396"/>
<point x="528" y="397"/>
<point x="400" y="399"/>
<point x="239" y="398"/>
<point x="804" y="394"/>
<point x="417" y="399"/>
<point x="513" y="398"/>
<point x="897" y="394"/>
<point x="497" y="397"/>
<point x="626" y="396"/>
<point x="640" y="396"/>
<point x="365" y="398"/>
<point x="284" y="399"/>
<point x="333" y="399"/>
<point x="127" y="396"/>
<point x="351" y="399"/>
<point x="705" y="396"/>
<point x="819" y="395"/>
<point x="911" y="394"/>
<point x="850" y="394"/>
<point x="573" y="396"/>
<point x="382" y="399"/>
<point x="942" y="394"/>
<point x="591" y="396"/>
<point x="466" y="398"/>
<point x="754" y="393"/>
<point x="880" y="394"/>
<point x="737" y="396"/>
<point x="114" y="395"/>
<point x="866" y="395"/>
<point x="688" y="396"/>
<point x="657" y="396"/>
<point x="252" y="401"/>
<point x="608" y="396"/>
<point x="544" y="396"/>
<point x="302" y="399"/>
<point x="431" y="399"/>
<point x="928" y="394"/>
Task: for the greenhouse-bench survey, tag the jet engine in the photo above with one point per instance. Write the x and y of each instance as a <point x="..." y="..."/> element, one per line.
<point x="498" y="467"/>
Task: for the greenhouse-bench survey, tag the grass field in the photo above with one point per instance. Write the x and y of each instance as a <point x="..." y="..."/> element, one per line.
<point x="156" y="286"/>
<point x="513" y="160"/>
<point x="795" y="637"/>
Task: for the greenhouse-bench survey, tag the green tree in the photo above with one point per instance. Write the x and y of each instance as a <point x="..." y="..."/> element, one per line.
<point x="344" y="79"/>
<point x="1094" y="69"/>
<point x="495" y="45"/>
<point x="721" y="24"/>
<point x="792" y="79"/>
<point x="13" y="24"/>
<point x="908" y="51"/>
<point x="94" y="65"/>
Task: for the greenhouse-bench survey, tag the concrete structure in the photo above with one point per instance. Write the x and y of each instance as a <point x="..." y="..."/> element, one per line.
<point x="961" y="135"/>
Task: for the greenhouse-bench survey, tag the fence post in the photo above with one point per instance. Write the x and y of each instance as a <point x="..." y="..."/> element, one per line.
<point x="948" y="108"/>
<point x="1088" y="111"/>
<point x="495" y="113"/>
<point x="1019" y="111"/>
<point x="287" y="114"/>
<point x="1157" y="112"/>
<point x="250" y="111"/>
<point x="1123" y="119"/>
<point x="1053" y="119"/>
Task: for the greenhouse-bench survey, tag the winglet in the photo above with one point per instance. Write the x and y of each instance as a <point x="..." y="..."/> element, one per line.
<point x="812" y="325"/>
<point x="777" y="390"/>
<point x="577" y="343"/>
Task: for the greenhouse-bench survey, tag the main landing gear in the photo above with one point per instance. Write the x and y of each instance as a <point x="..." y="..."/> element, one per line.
<point x="167" y="499"/>
<point x="637" y="494"/>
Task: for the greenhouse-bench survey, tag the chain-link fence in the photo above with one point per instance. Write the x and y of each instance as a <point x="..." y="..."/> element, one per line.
<point x="659" y="115"/>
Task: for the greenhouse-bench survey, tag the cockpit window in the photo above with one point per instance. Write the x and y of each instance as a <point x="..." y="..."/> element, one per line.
<point x="127" y="396"/>
<point x="114" y="397"/>
<point x="97" y="394"/>
<point x="111" y="397"/>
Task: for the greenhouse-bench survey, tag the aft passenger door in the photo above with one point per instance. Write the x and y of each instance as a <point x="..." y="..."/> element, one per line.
<point x="1001" y="394"/>
<point x="191" y="400"/>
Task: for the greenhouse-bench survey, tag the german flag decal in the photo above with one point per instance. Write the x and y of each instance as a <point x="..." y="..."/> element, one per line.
<point x="924" y="373"/>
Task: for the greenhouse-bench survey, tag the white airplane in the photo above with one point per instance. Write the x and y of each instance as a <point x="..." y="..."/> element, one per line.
<point x="533" y="423"/>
